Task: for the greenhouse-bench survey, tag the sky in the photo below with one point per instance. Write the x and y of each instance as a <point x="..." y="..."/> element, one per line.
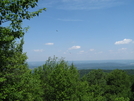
<point x="81" y="30"/>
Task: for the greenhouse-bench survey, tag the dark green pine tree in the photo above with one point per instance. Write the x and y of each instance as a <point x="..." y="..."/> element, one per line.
<point x="15" y="77"/>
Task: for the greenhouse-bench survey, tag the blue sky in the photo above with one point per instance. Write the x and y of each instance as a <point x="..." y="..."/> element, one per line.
<point x="81" y="30"/>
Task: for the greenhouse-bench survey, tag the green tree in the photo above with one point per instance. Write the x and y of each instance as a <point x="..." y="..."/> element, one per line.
<point x="121" y="99"/>
<point x="119" y="85"/>
<point x="60" y="81"/>
<point x="32" y="90"/>
<point x="97" y="83"/>
<point x="13" y="66"/>
<point x="132" y="87"/>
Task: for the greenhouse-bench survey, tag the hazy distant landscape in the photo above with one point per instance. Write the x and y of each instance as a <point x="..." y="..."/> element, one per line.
<point x="94" y="64"/>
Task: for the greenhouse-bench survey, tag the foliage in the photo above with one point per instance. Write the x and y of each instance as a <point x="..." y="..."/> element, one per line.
<point x="132" y="87"/>
<point x="119" y="84"/>
<point x="86" y="71"/>
<point x="121" y="99"/>
<point x="60" y="81"/>
<point x="14" y="72"/>
<point x="97" y="83"/>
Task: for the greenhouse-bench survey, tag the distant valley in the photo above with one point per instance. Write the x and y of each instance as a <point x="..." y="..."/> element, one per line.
<point x="94" y="64"/>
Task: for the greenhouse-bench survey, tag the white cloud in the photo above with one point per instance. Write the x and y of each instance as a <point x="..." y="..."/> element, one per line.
<point x="75" y="47"/>
<point x="125" y="41"/>
<point x="38" y="50"/>
<point x="49" y="44"/>
<point x="91" y="49"/>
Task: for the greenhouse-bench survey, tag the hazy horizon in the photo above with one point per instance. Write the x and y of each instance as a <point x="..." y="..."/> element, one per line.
<point x="89" y="60"/>
<point x="94" y="64"/>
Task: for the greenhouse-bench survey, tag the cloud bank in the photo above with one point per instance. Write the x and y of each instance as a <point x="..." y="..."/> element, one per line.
<point x="125" y="41"/>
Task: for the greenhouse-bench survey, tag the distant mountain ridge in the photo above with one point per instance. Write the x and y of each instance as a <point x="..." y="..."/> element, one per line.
<point x="95" y="64"/>
<point x="109" y="65"/>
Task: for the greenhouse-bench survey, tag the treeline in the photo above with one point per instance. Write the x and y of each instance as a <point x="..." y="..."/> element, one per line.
<point x="56" y="80"/>
<point x="86" y="71"/>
